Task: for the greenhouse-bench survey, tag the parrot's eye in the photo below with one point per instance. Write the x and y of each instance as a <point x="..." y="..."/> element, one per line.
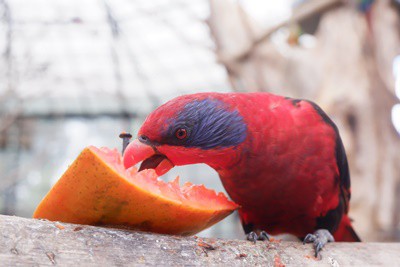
<point x="181" y="133"/>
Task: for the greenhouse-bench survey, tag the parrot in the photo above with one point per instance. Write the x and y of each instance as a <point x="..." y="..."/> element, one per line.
<point x="280" y="158"/>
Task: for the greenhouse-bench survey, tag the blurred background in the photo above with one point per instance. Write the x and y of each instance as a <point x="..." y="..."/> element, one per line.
<point x="77" y="73"/>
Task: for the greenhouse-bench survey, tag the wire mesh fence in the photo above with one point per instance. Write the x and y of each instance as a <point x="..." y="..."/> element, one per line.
<point x="76" y="73"/>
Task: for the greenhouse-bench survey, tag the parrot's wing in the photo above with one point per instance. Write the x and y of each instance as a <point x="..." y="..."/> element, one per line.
<point x="341" y="158"/>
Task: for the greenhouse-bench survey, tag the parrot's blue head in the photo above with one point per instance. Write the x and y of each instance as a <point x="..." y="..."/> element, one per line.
<point x="191" y="129"/>
<point x="205" y="124"/>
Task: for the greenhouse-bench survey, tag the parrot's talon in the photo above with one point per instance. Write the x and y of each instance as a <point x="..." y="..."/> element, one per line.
<point x="252" y="236"/>
<point x="309" y="238"/>
<point x="318" y="248"/>
<point x="319" y="238"/>
<point x="263" y="236"/>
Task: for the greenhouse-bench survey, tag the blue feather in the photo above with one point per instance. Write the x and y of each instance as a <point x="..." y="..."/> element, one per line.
<point x="209" y="123"/>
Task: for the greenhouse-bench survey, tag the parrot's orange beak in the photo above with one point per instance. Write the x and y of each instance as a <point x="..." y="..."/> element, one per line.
<point x="137" y="151"/>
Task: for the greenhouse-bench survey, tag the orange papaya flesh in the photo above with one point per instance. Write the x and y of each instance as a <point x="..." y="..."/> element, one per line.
<point x="97" y="190"/>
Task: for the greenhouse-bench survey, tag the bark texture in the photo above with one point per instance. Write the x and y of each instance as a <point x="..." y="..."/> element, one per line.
<point x="29" y="242"/>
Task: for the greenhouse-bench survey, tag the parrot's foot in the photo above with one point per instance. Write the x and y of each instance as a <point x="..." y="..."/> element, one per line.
<point x="319" y="238"/>
<point x="253" y="237"/>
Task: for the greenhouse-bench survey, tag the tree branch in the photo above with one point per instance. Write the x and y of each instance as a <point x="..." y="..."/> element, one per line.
<point x="27" y="242"/>
<point x="300" y="13"/>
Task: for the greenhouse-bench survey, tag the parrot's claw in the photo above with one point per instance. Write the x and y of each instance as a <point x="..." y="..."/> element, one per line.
<point x="253" y="237"/>
<point x="263" y="236"/>
<point x="319" y="238"/>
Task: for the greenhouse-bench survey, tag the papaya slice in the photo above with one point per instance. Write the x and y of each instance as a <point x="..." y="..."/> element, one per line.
<point x="97" y="190"/>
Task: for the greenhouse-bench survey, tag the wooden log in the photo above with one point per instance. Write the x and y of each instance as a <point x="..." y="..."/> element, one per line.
<point x="30" y="242"/>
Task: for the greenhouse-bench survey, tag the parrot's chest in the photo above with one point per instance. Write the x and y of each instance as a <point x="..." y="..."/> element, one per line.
<point x="280" y="201"/>
<point x="287" y="175"/>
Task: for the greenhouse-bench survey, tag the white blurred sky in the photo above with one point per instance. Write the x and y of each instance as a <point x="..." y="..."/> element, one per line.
<point x="267" y="12"/>
<point x="396" y="108"/>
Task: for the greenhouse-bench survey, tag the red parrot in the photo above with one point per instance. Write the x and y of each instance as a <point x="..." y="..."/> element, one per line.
<point x="281" y="159"/>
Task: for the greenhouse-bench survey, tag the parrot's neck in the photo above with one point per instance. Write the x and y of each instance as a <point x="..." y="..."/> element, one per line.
<point x="241" y="181"/>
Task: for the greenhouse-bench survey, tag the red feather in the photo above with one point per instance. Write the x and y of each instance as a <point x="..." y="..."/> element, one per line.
<point x="290" y="175"/>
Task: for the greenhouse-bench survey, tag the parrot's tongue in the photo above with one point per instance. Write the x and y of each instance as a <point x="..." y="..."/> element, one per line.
<point x="152" y="162"/>
<point x="160" y="163"/>
<point x="137" y="152"/>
